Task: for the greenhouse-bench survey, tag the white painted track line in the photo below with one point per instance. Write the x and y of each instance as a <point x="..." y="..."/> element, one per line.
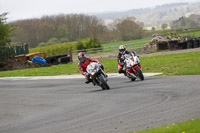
<point x="70" y="76"/>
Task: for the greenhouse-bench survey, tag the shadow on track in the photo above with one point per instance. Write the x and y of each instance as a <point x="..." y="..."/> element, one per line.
<point x="125" y="84"/>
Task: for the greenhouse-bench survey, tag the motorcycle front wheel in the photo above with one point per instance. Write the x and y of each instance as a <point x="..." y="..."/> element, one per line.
<point x="103" y="84"/>
<point x="139" y="73"/>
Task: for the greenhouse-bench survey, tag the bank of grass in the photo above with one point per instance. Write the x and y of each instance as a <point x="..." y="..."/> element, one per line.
<point x="55" y="49"/>
<point x="172" y="64"/>
<point x="193" y="33"/>
<point x="43" y="71"/>
<point x="190" y="126"/>
<point x="64" y="48"/>
<point x="127" y="42"/>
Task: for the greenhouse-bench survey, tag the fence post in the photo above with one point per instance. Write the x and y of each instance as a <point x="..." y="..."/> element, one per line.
<point x="26" y="49"/>
<point x="71" y="59"/>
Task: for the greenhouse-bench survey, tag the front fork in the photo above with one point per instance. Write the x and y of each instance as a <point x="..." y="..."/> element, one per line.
<point x="132" y="70"/>
<point x="104" y="75"/>
<point x="95" y="80"/>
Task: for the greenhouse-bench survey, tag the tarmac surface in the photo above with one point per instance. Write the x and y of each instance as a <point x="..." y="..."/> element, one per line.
<point x="68" y="105"/>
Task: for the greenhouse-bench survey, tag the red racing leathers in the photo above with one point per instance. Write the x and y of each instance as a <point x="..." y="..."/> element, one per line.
<point x="83" y="65"/>
<point x="121" y="62"/>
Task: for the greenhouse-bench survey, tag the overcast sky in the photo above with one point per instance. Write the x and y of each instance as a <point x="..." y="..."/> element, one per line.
<point x="22" y="9"/>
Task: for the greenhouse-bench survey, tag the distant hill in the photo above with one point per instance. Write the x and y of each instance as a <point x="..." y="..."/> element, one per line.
<point x="155" y="16"/>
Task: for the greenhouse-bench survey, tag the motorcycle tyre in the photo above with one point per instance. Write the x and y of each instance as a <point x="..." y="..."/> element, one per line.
<point x="140" y="74"/>
<point x="133" y="79"/>
<point x="104" y="85"/>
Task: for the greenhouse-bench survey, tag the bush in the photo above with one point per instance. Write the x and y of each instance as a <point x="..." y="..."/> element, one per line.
<point x="53" y="41"/>
<point x="56" y="49"/>
<point x="2" y="64"/>
<point x="62" y="40"/>
<point x="79" y="45"/>
<point x="42" y="44"/>
<point x="88" y="43"/>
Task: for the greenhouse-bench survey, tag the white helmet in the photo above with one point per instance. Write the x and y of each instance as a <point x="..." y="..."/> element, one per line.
<point x="122" y="49"/>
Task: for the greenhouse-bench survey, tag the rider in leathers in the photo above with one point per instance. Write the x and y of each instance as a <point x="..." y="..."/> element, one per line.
<point x="120" y="59"/>
<point x="83" y="63"/>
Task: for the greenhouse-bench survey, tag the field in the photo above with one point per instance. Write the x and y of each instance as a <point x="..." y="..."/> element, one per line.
<point x="194" y="33"/>
<point x="179" y="64"/>
<point x="173" y="64"/>
<point x="64" y="48"/>
<point x="56" y="49"/>
<point x="145" y="40"/>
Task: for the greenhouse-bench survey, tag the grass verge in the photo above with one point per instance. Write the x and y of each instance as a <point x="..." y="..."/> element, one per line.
<point x="127" y="42"/>
<point x="190" y="126"/>
<point x="173" y="64"/>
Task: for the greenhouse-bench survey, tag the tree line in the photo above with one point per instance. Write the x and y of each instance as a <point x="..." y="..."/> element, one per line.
<point x="185" y="23"/>
<point x="73" y="27"/>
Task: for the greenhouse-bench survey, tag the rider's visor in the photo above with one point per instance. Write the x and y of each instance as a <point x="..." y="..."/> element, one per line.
<point x="82" y="59"/>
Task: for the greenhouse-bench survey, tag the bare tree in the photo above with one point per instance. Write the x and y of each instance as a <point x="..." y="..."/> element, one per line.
<point x="128" y="28"/>
<point x="71" y="27"/>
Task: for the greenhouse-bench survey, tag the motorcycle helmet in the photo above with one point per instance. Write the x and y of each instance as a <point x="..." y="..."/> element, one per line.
<point x="81" y="57"/>
<point x="122" y="49"/>
<point x="133" y="53"/>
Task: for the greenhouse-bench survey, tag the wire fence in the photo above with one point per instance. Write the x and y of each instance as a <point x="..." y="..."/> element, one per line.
<point x="106" y="52"/>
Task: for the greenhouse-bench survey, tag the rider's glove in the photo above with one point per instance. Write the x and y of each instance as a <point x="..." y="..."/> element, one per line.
<point x="121" y="62"/>
<point x="86" y="74"/>
<point x="99" y="63"/>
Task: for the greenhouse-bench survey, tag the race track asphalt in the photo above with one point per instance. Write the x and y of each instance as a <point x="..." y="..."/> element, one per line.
<point x="71" y="106"/>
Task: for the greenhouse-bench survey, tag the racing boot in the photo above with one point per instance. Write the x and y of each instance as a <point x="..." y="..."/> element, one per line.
<point x="125" y="74"/>
<point x="88" y="81"/>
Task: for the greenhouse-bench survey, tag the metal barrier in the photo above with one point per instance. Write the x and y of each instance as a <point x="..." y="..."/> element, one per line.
<point x="105" y="52"/>
<point x="9" y="51"/>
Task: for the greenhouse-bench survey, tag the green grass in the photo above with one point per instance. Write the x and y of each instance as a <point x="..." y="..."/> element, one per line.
<point x="190" y="126"/>
<point x="173" y="64"/>
<point x="194" y="33"/>
<point x="127" y="42"/>
<point x="55" y="49"/>
<point x="64" y="48"/>
<point x="43" y="71"/>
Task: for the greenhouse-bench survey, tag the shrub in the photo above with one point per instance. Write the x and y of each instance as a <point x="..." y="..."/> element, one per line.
<point x="2" y="64"/>
<point x="88" y="43"/>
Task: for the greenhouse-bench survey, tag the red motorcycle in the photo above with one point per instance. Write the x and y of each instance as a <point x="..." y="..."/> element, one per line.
<point x="133" y="67"/>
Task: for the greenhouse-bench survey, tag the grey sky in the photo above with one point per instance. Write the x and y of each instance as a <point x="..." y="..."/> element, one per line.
<point x="22" y="9"/>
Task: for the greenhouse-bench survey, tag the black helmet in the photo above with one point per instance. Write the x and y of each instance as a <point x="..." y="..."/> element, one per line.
<point x="134" y="53"/>
<point x="81" y="57"/>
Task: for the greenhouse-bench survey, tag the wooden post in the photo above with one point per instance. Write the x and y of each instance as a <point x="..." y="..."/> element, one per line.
<point x="71" y="59"/>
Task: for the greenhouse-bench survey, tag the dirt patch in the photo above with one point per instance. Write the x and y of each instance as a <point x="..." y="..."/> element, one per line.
<point x="15" y="64"/>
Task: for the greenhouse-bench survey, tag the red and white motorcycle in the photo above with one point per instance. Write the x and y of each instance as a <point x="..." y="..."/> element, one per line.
<point x="133" y="67"/>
